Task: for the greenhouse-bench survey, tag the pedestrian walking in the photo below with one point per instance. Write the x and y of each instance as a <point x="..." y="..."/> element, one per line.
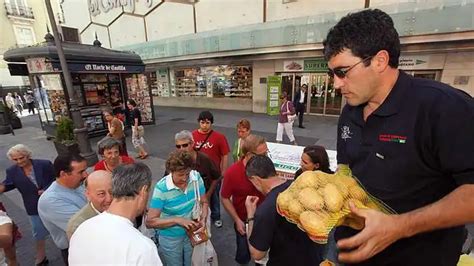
<point x="138" y="132"/>
<point x="116" y="130"/>
<point x="10" y="102"/>
<point x="285" y="119"/>
<point x="30" y="102"/>
<point x="18" y="102"/>
<point x="301" y="98"/>
<point x="31" y="177"/>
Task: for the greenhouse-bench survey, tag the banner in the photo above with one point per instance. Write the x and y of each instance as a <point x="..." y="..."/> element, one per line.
<point x="273" y="95"/>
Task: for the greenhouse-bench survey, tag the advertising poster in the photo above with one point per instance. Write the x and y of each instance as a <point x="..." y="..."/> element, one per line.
<point x="273" y="95"/>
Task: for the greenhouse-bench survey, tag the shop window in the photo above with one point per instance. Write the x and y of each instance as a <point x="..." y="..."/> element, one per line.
<point x="137" y="89"/>
<point x="214" y="81"/>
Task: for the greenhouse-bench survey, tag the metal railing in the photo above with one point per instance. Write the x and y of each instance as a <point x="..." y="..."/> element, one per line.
<point x="19" y="11"/>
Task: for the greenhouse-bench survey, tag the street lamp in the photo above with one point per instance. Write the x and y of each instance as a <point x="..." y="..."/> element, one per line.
<point x="79" y="129"/>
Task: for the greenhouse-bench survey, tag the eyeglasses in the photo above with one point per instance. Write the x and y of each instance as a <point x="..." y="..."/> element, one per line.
<point x="341" y="72"/>
<point x="185" y="145"/>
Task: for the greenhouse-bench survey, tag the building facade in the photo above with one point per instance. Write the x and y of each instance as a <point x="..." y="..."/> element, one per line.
<point x="23" y="23"/>
<point x="239" y="54"/>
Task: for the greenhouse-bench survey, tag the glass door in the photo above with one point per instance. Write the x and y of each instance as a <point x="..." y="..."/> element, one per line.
<point x="333" y="99"/>
<point x="317" y="88"/>
<point x="287" y="82"/>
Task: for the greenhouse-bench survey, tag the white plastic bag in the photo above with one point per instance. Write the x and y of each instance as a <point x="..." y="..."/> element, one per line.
<point x="204" y="255"/>
<point x="148" y="232"/>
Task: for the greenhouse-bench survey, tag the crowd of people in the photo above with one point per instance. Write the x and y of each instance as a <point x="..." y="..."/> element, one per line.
<point x="401" y="136"/>
<point x="17" y="103"/>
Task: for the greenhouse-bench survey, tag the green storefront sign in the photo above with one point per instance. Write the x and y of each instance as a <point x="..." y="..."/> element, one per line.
<point x="315" y="65"/>
<point x="273" y="95"/>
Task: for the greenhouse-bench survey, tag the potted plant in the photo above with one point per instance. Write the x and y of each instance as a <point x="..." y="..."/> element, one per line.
<point x="64" y="141"/>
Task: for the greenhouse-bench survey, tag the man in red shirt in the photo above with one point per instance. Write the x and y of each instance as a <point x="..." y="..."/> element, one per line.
<point x="235" y="189"/>
<point x="214" y="145"/>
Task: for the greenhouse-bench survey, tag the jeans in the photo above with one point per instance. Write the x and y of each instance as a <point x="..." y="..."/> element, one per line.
<point x="216" y="203"/>
<point x="175" y="251"/>
<point x="330" y="250"/>
<point x="242" y="255"/>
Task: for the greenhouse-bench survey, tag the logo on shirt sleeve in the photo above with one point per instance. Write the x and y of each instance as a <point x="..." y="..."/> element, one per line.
<point x="393" y="138"/>
<point x="346" y="133"/>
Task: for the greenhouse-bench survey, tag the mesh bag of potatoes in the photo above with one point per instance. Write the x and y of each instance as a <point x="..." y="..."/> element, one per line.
<point x="317" y="202"/>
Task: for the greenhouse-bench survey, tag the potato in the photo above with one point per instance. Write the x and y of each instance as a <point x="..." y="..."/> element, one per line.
<point x="356" y="192"/>
<point x="333" y="199"/>
<point x="308" y="179"/>
<point x="313" y="223"/>
<point x="284" y="200"/>
<point x="310" y="199"/>
<point x="295" y="208"/>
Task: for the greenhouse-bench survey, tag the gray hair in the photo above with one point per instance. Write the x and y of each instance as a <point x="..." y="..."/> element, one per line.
<point x="184" y="135"/>
<point x="129" y="179"/>
<point x="107" y="143"/>
<point x="21" y="149"/>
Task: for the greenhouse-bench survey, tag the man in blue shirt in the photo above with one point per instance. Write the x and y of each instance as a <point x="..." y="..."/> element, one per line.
<point x="63" y="198"/>
<point x="409" y="141"/>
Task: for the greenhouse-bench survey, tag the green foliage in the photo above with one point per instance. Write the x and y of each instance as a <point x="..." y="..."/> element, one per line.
<point x="65" y="131"/>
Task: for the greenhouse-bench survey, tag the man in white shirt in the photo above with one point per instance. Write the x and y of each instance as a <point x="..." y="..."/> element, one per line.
<point x="110" y="238"/>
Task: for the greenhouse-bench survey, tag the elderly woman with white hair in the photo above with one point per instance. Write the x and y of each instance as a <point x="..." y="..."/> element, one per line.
<point x="31" y="177"/>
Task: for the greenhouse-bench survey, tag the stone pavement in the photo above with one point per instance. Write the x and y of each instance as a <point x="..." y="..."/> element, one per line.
<point x="160" y="138"/>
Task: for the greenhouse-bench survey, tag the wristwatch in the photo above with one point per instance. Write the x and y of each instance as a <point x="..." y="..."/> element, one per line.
<point x="249" y="220"/>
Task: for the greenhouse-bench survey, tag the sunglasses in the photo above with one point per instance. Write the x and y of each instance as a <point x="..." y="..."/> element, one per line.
<point x="185" y="145"/>
<point x="341" y="72"/>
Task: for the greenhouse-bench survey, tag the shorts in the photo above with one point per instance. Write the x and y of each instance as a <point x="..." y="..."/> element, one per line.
<point x="39" y="231"/>
<point x="137" y="136"/>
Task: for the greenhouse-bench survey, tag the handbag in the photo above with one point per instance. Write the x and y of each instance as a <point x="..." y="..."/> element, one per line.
<point x="291" y="117"/>
<point x="204" y="254"/>
<point x="197" y="237"/>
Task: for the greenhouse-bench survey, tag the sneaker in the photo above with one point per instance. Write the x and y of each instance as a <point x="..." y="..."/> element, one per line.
<point x="218" y="223"/>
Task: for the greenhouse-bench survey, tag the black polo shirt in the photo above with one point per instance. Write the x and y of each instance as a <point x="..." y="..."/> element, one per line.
<point x="417" y="147"/>
<point x="287" y="243"/>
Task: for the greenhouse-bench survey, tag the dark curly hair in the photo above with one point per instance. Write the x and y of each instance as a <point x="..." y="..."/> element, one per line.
<point x="365" y="33"/>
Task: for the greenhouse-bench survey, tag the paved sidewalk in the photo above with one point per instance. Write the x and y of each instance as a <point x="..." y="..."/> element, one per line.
<point x="160" y="138"/>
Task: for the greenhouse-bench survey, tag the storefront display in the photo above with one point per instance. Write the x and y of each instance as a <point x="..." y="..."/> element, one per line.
<point x="212" y="81"/>
<point x="137" y="88"/>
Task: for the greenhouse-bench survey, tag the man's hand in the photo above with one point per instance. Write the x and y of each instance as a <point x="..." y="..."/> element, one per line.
<point x="187" y="224"/>
<point x="381" y="230"/>
<point x="40" y="192"/>
<point x="251" y="205"/>
<point x="240" y="226"/>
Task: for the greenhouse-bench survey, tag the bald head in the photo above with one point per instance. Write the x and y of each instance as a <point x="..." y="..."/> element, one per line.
<point x="99" y="189"/>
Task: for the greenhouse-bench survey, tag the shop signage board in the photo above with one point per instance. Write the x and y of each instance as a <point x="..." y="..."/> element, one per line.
<point x="109" y="68"/>
<point x="293" y="65"/>
<point x="421" y="62"/>
<point x="286" y="158"/>
<point x="41" y="65"/>
<point x="273" y="95"/>
<point x="315" y="65"/>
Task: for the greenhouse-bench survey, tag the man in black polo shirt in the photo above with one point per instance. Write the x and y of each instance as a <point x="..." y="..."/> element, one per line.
<point x="409" y="141"/>
<point x="267" y="230"/>
<point x="202" y="163"/>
